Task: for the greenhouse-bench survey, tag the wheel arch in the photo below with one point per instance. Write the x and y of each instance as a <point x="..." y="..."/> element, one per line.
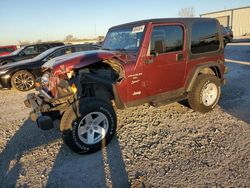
<point x="4" y="62"/>
<point x="212" y="68"/>
<point x="109" y="90"/>
<point x="102" y="86"/>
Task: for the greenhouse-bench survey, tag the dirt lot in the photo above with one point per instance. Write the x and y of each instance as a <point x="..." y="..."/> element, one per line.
<point x="170" y="146"/>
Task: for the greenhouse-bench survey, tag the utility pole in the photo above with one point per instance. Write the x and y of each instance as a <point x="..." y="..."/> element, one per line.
<point x="95" y="31"/>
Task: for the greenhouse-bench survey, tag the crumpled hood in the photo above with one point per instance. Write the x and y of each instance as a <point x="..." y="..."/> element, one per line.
<point x="78" y="60"/>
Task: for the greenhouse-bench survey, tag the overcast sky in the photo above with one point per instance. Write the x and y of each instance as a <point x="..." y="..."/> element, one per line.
<point x="31" y="20"/>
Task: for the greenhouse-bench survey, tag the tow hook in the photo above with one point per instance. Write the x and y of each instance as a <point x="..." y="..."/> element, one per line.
<point x="45" y="122"/>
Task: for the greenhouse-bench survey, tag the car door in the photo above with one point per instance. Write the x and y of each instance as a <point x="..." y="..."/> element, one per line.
<point x="165" y="63"/>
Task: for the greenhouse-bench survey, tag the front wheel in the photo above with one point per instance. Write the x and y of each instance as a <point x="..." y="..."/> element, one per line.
<point x="23" y="80"/>
<point x="88" y="125"/>
<point x="205" y="93"/>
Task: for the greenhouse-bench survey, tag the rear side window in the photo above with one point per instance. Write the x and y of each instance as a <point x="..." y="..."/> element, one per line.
<point x="205" y="37"/>
<point x="61" y="52"/>
<point x="84" y="48"/>
<point x="166" y="39"/>
<point x="42" y="48"/>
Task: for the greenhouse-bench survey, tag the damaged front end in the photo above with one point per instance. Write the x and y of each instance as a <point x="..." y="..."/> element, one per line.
<point x="58" y="91"/>
<point x="54" y="96"/>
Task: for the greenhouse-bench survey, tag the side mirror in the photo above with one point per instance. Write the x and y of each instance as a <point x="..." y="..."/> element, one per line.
<point x="160" y="46"/>
<point x="154" y="53"/>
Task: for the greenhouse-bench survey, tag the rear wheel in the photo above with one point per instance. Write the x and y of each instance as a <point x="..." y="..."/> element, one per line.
<point x="88" y="125"/>
<point x="205" y="93"/>
<point x="23" y="80"/>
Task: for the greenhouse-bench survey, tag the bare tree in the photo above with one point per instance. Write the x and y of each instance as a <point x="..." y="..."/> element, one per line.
<point x="100" y="38"/>
<point x="69" y="38"/>
<point x="187" y="12"/>
<point x="23" y="43"/>
<point x="39" y="41"/>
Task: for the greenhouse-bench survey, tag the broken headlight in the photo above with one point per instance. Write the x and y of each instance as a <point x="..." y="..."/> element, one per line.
<point x="45" y="79"/>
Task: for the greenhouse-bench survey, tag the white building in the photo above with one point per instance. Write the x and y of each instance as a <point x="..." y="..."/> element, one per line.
<point x="237" y="19"/>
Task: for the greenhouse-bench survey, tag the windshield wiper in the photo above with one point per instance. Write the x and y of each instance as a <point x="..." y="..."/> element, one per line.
<point x="120" y="49"/>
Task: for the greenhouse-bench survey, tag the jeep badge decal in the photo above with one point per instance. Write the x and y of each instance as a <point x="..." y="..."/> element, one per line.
<point x="136" y="93"/>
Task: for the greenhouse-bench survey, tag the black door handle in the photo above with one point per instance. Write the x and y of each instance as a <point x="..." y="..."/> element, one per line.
<point x="179" y="57"/>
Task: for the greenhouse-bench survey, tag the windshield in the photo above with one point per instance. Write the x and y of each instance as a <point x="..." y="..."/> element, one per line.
<point x="124" y="39"/>
<point x="17" y="51"/>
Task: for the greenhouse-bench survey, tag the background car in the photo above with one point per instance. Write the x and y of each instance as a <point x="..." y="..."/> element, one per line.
<point x="27" y="52"/>
<point x="21" y="75"/>
<point x="227" y="34"/>
<point x="6" y="50"/>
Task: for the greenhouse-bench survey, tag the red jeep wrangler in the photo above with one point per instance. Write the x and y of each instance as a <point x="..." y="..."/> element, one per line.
<point x="152" y="61"/>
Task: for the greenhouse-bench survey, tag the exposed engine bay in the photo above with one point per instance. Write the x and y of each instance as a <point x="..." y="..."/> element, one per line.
<point x="87" y="81"/>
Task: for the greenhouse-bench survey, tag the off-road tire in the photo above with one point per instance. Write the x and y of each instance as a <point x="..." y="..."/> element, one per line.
<point x="71" y="123"/>
<point x="27" y="75"/>
<point x="195" y="96"/>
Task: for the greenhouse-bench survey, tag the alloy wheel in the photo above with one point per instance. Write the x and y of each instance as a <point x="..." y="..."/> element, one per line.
<point x="93" y="128"/>
<point x="24" y="81"/>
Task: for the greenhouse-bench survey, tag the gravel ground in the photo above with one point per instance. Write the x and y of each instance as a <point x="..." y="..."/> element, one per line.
<point x="169" y="146"/>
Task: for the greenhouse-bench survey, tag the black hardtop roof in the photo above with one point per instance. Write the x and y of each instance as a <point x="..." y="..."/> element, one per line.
<point x="161" y="20"/>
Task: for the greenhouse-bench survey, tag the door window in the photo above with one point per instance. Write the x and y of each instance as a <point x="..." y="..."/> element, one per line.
<point x="84" y="48"/>
<point x="42" y="48"/>
<point x="31" y="50"/>
<point x="166" y="39"/>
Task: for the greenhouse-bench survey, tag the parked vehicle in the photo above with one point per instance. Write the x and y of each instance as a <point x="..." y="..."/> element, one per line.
<point x="152" y="61"/>
<point x="27" y="52"/>
<point x="21" y="75"/>
<point x="5" y="50"/>
<point x="227" y="34"/>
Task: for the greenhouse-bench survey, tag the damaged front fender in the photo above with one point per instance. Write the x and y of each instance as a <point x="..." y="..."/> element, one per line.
<point x="66" y="63"/>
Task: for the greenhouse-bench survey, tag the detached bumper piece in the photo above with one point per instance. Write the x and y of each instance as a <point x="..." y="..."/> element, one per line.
<point x="36" y="103"/>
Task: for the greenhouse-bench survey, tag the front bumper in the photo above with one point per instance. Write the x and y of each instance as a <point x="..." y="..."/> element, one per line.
<point x="44" y="108"/>
<point x="36" y="103"/>
<point x="5" y="82"/>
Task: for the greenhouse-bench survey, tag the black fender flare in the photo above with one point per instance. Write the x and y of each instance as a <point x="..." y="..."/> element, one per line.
<point x="119" y="104"/>
<point x="193" y="74"/>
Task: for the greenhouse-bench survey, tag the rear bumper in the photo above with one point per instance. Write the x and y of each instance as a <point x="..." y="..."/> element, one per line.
<point x="223" y="81"/>
<point x="226" y="70"/>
